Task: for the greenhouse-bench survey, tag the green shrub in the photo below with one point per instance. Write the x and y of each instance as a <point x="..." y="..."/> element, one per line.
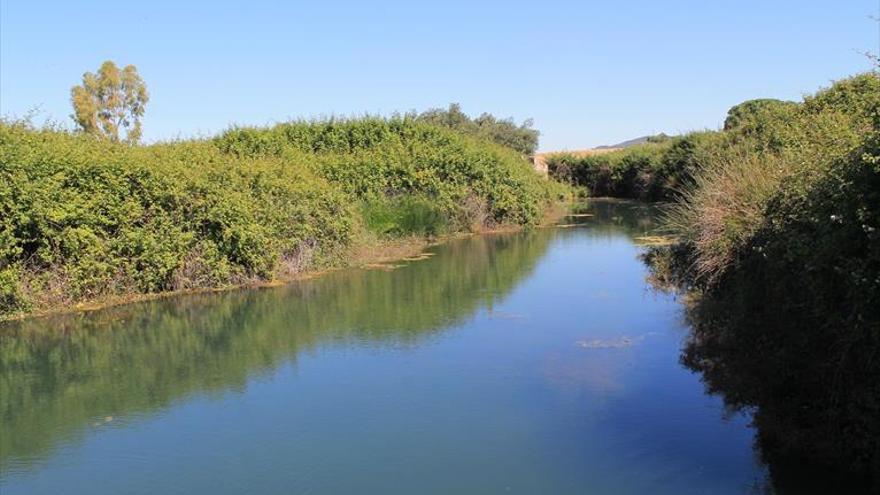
<point x="373" y="158"/>
<point x="738" y="178"/>
<point x="85" y="219"/>
<point x="655" y="171"/>
<point x="749" y="117"/>
<point x="11" y="298"/>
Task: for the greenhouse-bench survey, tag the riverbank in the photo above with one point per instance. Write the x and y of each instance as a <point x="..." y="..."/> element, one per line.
<point x="378" y="254"/>
<point x="488" y="332"/>
<point x="89" y="222"/>
<point x="777" y="228"/>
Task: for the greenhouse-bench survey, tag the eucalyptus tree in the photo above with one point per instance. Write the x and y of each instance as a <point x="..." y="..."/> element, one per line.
<point x="110" y="101"/>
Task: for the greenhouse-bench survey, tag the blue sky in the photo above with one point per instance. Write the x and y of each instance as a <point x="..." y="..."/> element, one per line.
<point x="588" y="72"/>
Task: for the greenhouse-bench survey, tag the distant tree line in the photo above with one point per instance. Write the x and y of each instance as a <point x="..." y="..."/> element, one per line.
<point x="506" y="132"/>
<point x="112" y="101"/>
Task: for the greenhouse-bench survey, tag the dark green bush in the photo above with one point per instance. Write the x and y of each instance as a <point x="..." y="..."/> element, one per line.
<point x="749" y="117"/>
<point x="656" y="171"/>
<point x="780" y="240"/>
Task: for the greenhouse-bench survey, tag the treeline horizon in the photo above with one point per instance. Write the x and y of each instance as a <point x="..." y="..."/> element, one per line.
<point x="522" y="137"/>
<point x="111" y="102"/>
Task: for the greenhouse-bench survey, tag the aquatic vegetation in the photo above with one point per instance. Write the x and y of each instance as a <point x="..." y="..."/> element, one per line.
<point x="616" y="343"/>
<point x="653" y="240"/>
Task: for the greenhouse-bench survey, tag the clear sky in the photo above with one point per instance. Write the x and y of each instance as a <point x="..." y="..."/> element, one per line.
<point x="588" y="72"/>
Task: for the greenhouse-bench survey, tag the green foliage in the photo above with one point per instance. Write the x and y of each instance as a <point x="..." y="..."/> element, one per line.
<point x="404" y="215"/>
<point x="374" y="158"/>
<point x="11" y="298"/>
<point x="794" y="152"/>
<point x="748" y="117"/>
<point x="779" y="236"/>
<point x="87" y="218"/>
<point x="657" y="170"/>
<point x="506" y="132"/>
<point x="57" y="375"/>
<point x="109" y="101"/>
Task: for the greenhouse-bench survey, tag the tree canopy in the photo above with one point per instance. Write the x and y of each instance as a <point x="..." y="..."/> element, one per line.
<point x="109" y="101"/>
<point x="522" y="137"/>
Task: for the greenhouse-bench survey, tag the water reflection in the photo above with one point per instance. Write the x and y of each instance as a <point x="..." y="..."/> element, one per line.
<point x="817" y="421"/>
<point x="60" y="376"/>
<point x="613" y="217"/>
<point x="529" y="363"/>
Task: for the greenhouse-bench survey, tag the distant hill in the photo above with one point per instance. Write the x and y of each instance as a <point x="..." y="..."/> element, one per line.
<point x="633" y="142"/>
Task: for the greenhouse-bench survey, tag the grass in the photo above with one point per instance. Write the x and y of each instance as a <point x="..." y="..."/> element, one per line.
<point x="403" y="216"/>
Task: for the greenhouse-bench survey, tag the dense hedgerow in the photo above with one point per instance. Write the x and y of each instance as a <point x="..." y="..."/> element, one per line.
<point x="85" y="219"/>
<point x="375" y="158"/>
<point x="656" y="171"/>
<point x="749" y="117"/>
<point x="780" y="237"/>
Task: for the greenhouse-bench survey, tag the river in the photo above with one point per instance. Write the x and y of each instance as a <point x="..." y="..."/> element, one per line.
<point x="531" y="362"/>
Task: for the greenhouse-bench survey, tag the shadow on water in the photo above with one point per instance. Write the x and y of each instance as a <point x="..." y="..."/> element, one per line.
<point x="62" y="378"/>
<point x="59" y="375"/>
<point x="807" y="374"/>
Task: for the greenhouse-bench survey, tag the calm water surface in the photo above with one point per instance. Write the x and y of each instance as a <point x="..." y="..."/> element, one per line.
<point x="537" y="362"/>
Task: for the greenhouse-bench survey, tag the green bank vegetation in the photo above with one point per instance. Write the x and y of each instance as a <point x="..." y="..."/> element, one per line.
<point x="86" y="218"/>
<point x="652" y="171"/>
<point x="787" y="183"/>
<point x="780" y="237"/>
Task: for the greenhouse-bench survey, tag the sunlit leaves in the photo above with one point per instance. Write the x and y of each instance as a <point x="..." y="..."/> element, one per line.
<point x="110" y="102"/>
